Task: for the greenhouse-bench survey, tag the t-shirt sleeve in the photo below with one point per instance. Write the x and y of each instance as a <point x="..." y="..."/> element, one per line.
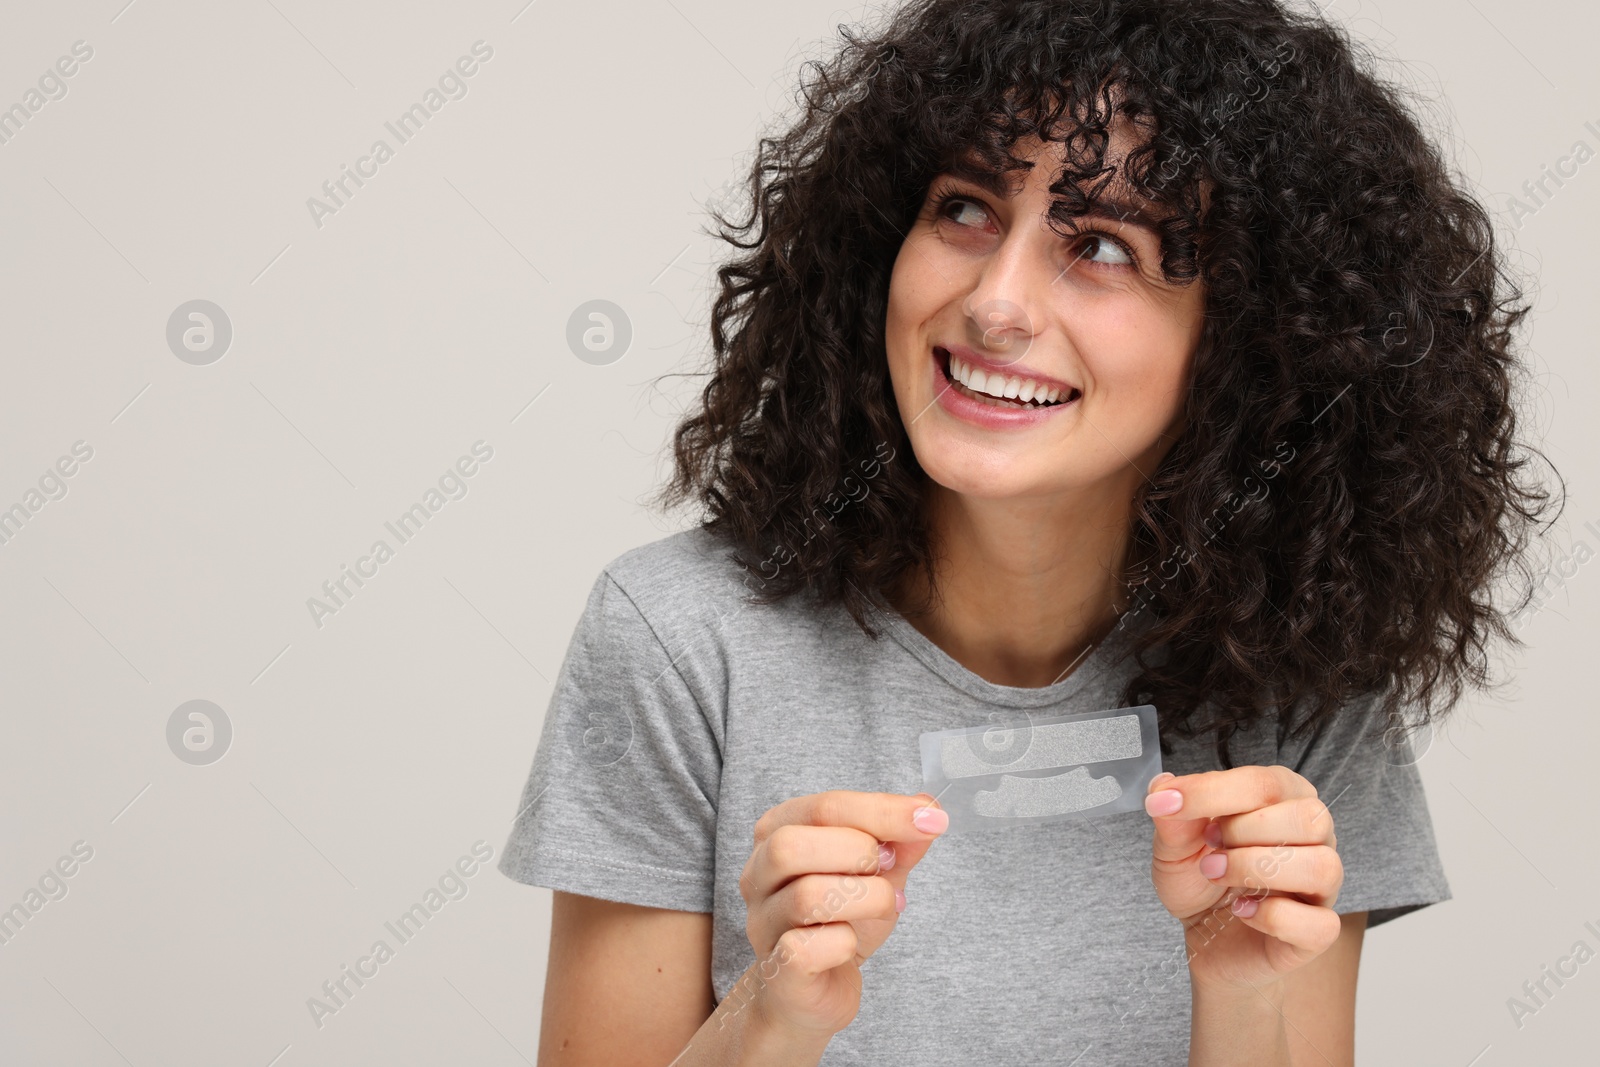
<point x="1367" y="775"/>
<point x="620" y="803"/>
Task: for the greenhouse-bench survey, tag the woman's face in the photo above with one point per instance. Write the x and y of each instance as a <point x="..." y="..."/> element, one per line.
<point x="982" y="286"/>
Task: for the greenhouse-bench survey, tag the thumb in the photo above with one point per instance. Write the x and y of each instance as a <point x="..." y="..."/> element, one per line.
<point x="907" y="854"/>
<point x="1176" y="838"/>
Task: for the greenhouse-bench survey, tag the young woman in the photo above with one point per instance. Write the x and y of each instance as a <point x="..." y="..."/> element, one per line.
<point x="1082" y="354"/>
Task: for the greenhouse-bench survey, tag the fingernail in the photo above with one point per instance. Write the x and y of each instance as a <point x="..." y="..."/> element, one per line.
<point x="1214" y="865"/>
<point x="899" y="901"/>
<point x="885" y="857"/>
<point x="1163" y="803"/>
<point x="1244" y="907"/>
<point x="1162" y="777"/>
<point x="931" y="820"/>
<point x="1213" y="835"/>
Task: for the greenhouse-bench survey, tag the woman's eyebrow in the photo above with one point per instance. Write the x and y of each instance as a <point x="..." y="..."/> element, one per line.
<point x="1107" y="206"/>
<point x="986" y="178"/>
<point x="1120" y="210"/>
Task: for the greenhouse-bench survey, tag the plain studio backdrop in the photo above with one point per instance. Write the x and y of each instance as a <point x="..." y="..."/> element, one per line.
<point x="350" y="358"/>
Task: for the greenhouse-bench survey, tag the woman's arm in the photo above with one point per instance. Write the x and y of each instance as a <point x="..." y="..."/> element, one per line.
<point x="1320" y="1000"/>
<point x="627" y="985"/>
<point x="1305" y="1019"/>
<point x="630" y="986"/>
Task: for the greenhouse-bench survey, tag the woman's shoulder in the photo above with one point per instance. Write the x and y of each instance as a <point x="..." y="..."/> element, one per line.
<point x="684" y="601"/>
<point x="669" y="566"/>
<point x="687" y="580"/>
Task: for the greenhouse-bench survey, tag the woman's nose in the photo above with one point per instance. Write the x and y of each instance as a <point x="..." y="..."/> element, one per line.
<point x="1005" y="328"/>
<point x="1003" y="305"/>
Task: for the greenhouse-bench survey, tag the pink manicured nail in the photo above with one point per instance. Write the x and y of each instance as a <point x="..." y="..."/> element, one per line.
<point x="899" y="901"/>
<point x="1244" y="907"/>
<point x="1214" y="865"/>
<point x="885" y="857"/>
<point x="931" y="820"/>
<point x="1165" y="802"/>
<point x="1213" y="835"/>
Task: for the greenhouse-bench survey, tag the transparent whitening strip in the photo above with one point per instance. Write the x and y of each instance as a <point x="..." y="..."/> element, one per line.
<point x="1024" y="769"/>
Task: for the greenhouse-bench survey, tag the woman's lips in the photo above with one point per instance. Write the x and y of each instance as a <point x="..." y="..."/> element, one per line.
<point x="1000" y="414"/>
<point x="1012" y="368"/>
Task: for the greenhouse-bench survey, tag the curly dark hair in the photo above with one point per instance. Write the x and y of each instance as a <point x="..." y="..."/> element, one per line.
<point x="1356" y="360"/>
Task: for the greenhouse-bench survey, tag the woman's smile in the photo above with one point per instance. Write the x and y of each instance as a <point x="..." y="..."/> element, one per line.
<point x="995" y="397"/>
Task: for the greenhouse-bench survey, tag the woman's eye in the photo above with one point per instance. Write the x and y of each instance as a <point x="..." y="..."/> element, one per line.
<point x="1099" y="244"/>
<point x="954" y="209"/>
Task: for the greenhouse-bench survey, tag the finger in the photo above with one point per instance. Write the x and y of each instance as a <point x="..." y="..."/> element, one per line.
<point x="801" y="954"/>
<point x="793" y="850"/>
<point x="805" y="848"/>
<point x="886" y="816"/>
<point x="1176" y="839"/>
<point x="814" y="899"/>
<point x="903" y="855"/>
<point x="1231" y="792"/>
<point x="1315" y="872"/>
<point x="1302" y="821"/>
<point x="1307" y="930"/>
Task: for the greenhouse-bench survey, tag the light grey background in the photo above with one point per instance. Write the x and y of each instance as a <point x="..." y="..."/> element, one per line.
<point x="430" y="312"/>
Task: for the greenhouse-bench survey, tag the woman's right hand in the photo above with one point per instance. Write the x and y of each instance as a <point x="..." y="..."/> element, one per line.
<point x="823" y="888"/>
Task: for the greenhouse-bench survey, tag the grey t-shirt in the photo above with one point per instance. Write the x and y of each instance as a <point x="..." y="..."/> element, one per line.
<point x="682" y="713"/>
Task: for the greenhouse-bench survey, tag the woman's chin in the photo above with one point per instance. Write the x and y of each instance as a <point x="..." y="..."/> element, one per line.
<point x="996" y="477"/>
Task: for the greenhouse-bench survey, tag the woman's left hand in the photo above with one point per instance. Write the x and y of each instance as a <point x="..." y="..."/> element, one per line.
<point x="1222" y="839"/>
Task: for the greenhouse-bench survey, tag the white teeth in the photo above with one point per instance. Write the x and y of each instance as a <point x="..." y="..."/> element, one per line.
<point x="998" y="385"/>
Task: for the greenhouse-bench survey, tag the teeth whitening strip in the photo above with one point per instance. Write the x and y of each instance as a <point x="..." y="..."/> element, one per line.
<point x="1030" y="769"/>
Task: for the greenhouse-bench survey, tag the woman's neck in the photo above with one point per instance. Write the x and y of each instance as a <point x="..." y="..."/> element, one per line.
<point x="1026" y="588"/>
